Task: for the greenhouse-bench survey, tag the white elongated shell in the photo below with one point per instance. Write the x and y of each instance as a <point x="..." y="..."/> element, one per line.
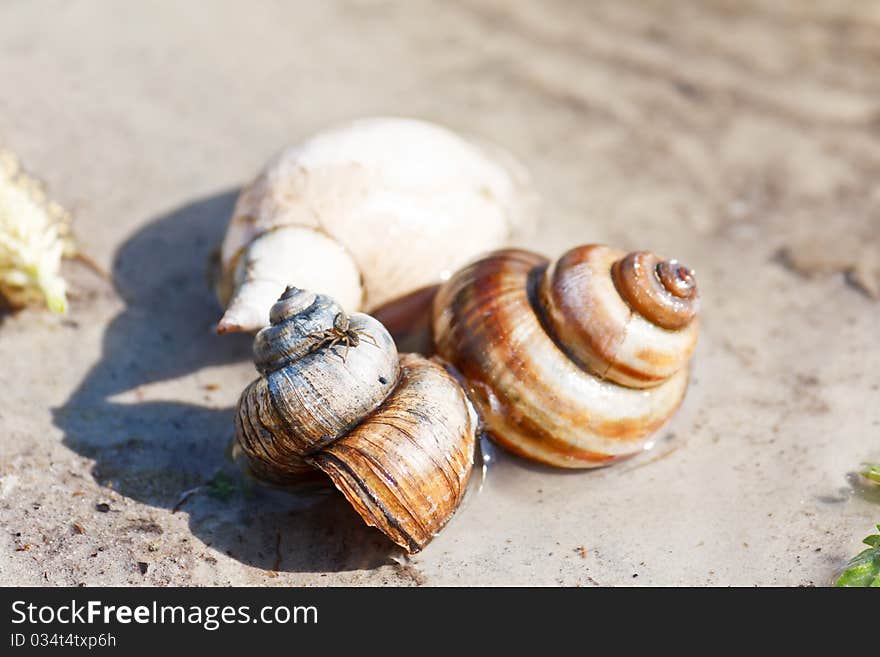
<point x="401" y="202"/>
<point x="291" y="253"/>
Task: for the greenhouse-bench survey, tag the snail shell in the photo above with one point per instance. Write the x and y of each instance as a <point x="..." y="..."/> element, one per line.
<point x="574" y="363"/>
<point x="367" y="212"/>
<point x="395" y="435"/>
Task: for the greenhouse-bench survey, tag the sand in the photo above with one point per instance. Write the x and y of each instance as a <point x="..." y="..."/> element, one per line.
<point x="741" y="138"/>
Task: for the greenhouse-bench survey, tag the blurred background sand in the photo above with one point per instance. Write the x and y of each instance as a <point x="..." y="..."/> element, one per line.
<point x="740" y="137"/>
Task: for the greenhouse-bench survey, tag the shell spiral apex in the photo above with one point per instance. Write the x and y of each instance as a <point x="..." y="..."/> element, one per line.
<point x="572" y="363"/>
<point x="395" y="435"/>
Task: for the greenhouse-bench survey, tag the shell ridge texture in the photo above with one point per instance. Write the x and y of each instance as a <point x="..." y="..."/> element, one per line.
<point x="395" y="434"/>
<point x="551" y="354"/>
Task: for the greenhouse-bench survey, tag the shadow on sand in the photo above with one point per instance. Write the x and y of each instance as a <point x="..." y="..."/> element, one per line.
<point x="154" y="451"/>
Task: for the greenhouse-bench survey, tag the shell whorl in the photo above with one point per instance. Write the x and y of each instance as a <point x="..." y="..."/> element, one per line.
<point x="614" y="314"/>
<point x="310" y="393"/>
<point x="562" y="368"/>
<point x="409" y="494"/>
<point x="395" y="435"/>
<point x="662" y="291"/>
<point x="295" y="319"/>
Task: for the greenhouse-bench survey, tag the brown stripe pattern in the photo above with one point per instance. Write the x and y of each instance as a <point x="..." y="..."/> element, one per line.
<point x="406" y="467"/>
<point x="533" y="397"/>
<point x="603" y="305"/>
<point x="261" y="436"/>
<point x="662" y="291"/>
<point x="395" y="435"/>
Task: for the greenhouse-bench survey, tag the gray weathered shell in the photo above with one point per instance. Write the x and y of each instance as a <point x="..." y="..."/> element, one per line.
<point x="310" y="396"/>
<point x="396" y="436"/>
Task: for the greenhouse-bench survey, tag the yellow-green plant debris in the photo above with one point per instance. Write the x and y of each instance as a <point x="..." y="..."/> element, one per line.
<point x="34" y="235"/>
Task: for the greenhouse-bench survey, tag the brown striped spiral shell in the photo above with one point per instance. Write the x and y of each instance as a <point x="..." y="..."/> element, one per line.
<point x="572" y="363"/>
<point x="395" y="435"/>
